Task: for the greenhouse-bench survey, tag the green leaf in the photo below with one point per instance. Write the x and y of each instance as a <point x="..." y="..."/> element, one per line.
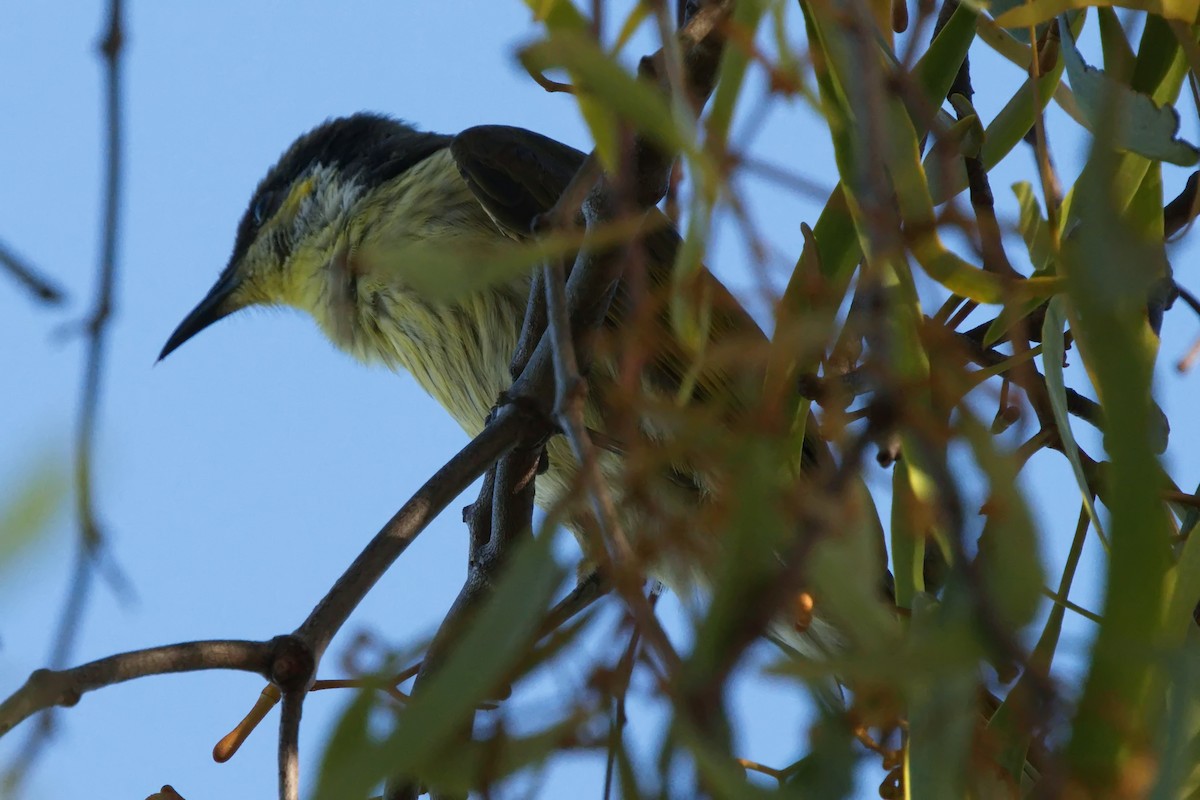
<point x="1053" y="355"/>
<point x="558" y="14"/>
<point x="834" y="232"/>
<point x="755" y="535"/>
<point x="847" y="570"/>
<point x="827" y="771"/>
<point x="910" y="523"/>
<point x="599" y="76"/>
<point x="948" y="177"/>
<point x="732" y="72"/>
<point x="469" y="765"/>
<point x="941" y="709"/>
<point x="444" y="273"/>
<point x="1036" y="233"/>
<point x="1035" y="230"/>
<point x="1038" y="11"/>
<point x="1110" y="271"/>
<point x="1008" y="549"/>
<point x="1118" y="55"/>
<point x="491" y="646"/>
<point x="1010" y="723"/>
<point x="935" y="70"/>
<point x="1140" y="125"/>
<point x="1184" y="584"/>
<point x="901" y="153"/>
<point x="1177" y="769"/>
<point x="30" y="507"/>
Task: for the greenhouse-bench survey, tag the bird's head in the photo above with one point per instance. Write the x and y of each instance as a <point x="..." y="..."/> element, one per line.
<point x="288" y="231"/>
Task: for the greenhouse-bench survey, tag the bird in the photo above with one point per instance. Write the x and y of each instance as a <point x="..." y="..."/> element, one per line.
<point x="362" y="215"/>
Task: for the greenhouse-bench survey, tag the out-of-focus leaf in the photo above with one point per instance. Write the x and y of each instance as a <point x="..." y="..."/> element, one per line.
<point x="1034" y="229"/>
<point x="847" y="570"/>
<point x="1177" y="769"/>
<point x="1008" y="725"/>
<point x="492" y="644"/>
<point x="947" y="177"/>
<point x="732" y="71"/>
<point x="1161" y="64"/>
<point x="1118" y="55"/>
<point x="827" y="770"/>
<point x="724" y="778"/>
<point x="1053" y="354"/>
<point x="755" y="536"/>
<point x="602" y="123"/>
<point x="1184" y="583"/>
<point x="1106" y="260"/>
<point x="1008" y="549"/>
<point x="942" y="707"/>
<point x="557" y="14"/>
<point x="1036" y="233"/>
<point x="966" y="133"/>
<point x="444" y="273"/>
<point x="29" y="506"/>
<point x="471" y="763"/>
<point x="599" y="76"/>
<point x="1035" y="12"/>
<point x="935" y="70"/>
<point x="909" y="528"/>
<point x="350" y="750"/>
<point x="1140" y="125"/>
<point x="901" y="152"/>
<point x="633" y="20"/>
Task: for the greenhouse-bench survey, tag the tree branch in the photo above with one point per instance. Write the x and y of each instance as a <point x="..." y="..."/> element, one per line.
<point x="47" y="688"/>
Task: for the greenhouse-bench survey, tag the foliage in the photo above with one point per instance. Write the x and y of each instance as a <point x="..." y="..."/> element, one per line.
<point x="920" y="620"/>
<point x="946" y="677"/>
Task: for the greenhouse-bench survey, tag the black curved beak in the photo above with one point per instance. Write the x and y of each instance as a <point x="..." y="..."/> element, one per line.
<point x="215" y="305"/>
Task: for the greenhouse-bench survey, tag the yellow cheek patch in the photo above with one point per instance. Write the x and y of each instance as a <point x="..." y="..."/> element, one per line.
<point x="296" y="196"/>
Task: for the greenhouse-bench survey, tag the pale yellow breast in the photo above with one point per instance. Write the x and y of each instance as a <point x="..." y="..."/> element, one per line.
<point x="373" y="298"/>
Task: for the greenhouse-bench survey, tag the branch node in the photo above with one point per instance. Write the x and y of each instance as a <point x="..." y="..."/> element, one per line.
<point x="293" y="665"/>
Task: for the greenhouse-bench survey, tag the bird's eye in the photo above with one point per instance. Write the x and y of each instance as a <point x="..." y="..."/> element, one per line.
<point x="263" y="207"/>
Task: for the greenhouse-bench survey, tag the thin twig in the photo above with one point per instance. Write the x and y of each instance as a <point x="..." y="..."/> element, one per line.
<point x="91" y="538"/>
<point x="1180" y="212"/>
<point x="623" y="675"/>
<point x="40" y="287"/>
<point x="570" y="394"/>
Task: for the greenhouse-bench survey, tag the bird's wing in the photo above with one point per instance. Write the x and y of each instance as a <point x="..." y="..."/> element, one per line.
<point x="517" y="174"/>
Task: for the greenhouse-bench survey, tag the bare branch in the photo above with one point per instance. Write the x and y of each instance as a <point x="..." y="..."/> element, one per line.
<point x="47" y="688"/>
<point x="289" y="746"/>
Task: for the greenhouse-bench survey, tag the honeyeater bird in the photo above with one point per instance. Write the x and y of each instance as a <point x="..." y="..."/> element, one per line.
<point x="356" y="212"/>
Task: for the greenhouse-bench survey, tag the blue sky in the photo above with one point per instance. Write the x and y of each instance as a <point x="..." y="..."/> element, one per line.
<point x="236" y="479"/>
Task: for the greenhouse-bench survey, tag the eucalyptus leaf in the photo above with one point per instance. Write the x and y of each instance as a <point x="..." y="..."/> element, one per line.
<point x="1039" y="11"/>
<point x="1142" y="126"/>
